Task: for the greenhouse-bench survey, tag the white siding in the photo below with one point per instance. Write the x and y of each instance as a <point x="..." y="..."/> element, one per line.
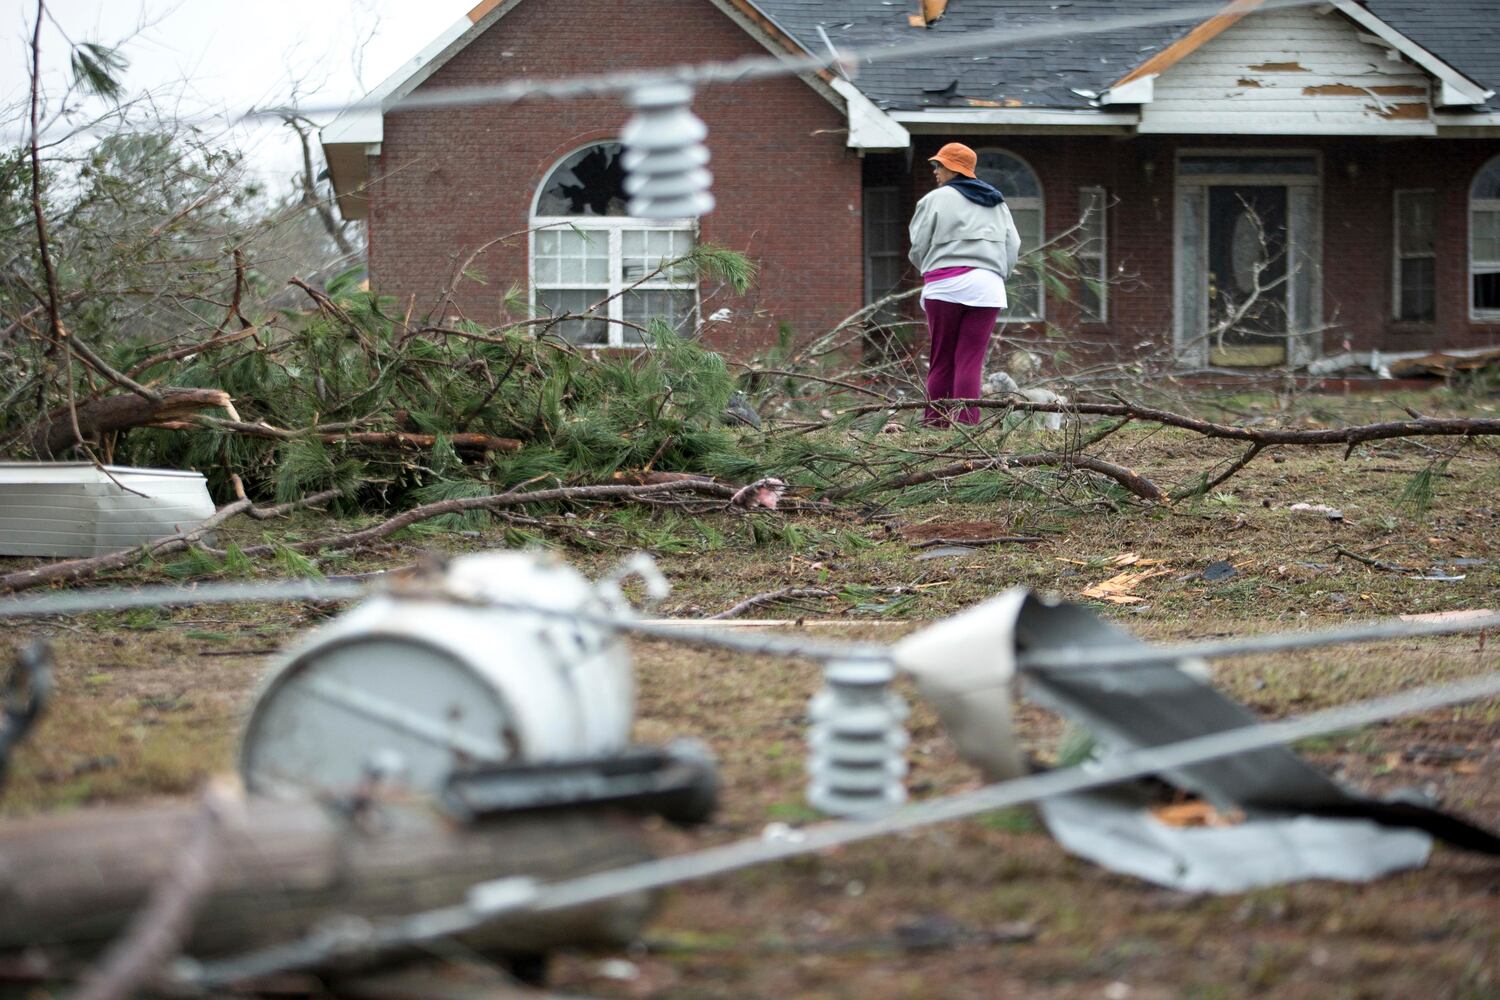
<point x="1291" y="72"/>
<point x="73" y="509"/>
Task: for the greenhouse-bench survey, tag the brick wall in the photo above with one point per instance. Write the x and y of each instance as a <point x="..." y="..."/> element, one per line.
<point x="788" y="189"/>
<point x="1359" y="178"/>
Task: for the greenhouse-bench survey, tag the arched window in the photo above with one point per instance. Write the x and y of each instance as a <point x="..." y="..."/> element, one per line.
<point x="585" y="250"/>
<point x="1023" y="194"/>
<point x="1484" y="243"/>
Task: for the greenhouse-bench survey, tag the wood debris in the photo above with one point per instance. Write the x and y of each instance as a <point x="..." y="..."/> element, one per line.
<point x="1119" y="588"/>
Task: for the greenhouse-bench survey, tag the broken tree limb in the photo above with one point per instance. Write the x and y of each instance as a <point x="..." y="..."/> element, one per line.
<point x="770" y="597"/>
<point x="56" y="434"/>
<point x="1342" y="553"/>
<point x="405" y="439"/>
<point x="188" y="350"/>
<point x="644" y="478"/>
<point x="1356" y="434"/>
<point x="495" y="501"/>
<point x="468" y="442"/>
<point x="753" y="372"/>
<point x="1135" y="483"/>
<point x="72" y="880"/>
<point x="932" y="543"/>
<point x="73" y="570"/>
<point x="281" y="509"/>
<point x="1245" y="459"/>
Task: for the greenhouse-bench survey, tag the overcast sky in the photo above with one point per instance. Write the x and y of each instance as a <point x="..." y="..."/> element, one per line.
<point x="221" y="55"/>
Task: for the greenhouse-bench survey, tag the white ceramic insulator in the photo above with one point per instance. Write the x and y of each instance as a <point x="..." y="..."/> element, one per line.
<point x="856" y="746"/>
<point x="665" y="156"/>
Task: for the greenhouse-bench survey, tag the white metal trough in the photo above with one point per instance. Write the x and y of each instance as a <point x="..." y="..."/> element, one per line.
<point x="79" y="509"/>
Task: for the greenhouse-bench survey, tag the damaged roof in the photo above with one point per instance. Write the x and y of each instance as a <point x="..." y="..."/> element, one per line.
<point x="1069" y="70"/>
<point x="1463" y="33"/>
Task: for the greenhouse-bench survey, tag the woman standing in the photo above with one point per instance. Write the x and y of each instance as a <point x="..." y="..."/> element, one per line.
<point x="965" y="244"/>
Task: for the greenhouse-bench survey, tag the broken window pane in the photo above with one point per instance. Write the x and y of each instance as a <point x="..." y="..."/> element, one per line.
<point x="591" y="182"/>
<point x="599" y="254"/>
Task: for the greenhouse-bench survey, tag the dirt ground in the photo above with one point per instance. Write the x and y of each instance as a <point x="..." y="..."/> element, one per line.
<point x="148" y="703"/>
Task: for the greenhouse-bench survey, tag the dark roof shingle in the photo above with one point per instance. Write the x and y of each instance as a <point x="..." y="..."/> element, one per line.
<point x="1065" y="71"/>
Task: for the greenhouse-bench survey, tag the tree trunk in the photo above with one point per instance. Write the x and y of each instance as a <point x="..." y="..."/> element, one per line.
<point x="54" y="435"/>
<point x="70" y="882"/>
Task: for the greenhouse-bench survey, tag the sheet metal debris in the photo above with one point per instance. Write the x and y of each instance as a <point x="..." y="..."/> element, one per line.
<point x="80" y="509"/>
<point x="1298" y="823"/>
<point x="1260" y="818"/>
<point x="1117" y="830"/>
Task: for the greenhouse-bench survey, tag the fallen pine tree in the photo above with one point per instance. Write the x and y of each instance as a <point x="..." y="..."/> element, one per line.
<point x="352" y="407"/>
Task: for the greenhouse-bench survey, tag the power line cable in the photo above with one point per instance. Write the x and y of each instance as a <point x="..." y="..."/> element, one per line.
<point x="782" y="644"/>
<point x="1078" y="658"/>
<point x="754" y="68"/>
<point x="747" y="69"/>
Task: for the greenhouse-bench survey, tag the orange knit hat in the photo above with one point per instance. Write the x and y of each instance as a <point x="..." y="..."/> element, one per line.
<point x="958" y="158"/>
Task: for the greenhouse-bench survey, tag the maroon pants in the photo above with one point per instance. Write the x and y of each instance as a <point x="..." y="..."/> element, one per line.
<point x="960" y="338"/>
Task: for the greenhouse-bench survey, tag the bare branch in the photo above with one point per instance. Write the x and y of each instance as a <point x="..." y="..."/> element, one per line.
<point x="1134" y="482"/>
<point x="769" y="597"/>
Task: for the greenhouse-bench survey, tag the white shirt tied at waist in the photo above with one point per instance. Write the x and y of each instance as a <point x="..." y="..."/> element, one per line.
<point x="980" y="287"/>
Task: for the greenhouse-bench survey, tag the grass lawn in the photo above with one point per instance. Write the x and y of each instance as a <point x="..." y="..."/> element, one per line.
<point x="148" y="703"/>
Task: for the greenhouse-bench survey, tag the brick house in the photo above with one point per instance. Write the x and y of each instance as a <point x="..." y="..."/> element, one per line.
<point x="1256" y="186"/>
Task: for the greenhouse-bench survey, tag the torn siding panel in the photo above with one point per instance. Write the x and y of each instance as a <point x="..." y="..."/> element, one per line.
<point x="1291" y="72"/>
<point x="1190" y="43"/>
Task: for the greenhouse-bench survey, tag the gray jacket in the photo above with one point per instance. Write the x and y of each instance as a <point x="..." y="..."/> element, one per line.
<point x="949" y="230"/>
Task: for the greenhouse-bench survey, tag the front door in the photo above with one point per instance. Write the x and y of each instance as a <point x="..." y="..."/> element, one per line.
<point x="1247" y="272"/>
<point x="1247" y="259"/>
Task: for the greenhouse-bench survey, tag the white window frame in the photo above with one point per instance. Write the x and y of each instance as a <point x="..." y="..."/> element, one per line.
<point x="1477" y="267"/>
<point x="1091" y="199"/>
<point x="871" y="293"/>
<point x="609" y="228"/>
<point x="1025" y="203"/>
<point x="1397" y="256"/>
